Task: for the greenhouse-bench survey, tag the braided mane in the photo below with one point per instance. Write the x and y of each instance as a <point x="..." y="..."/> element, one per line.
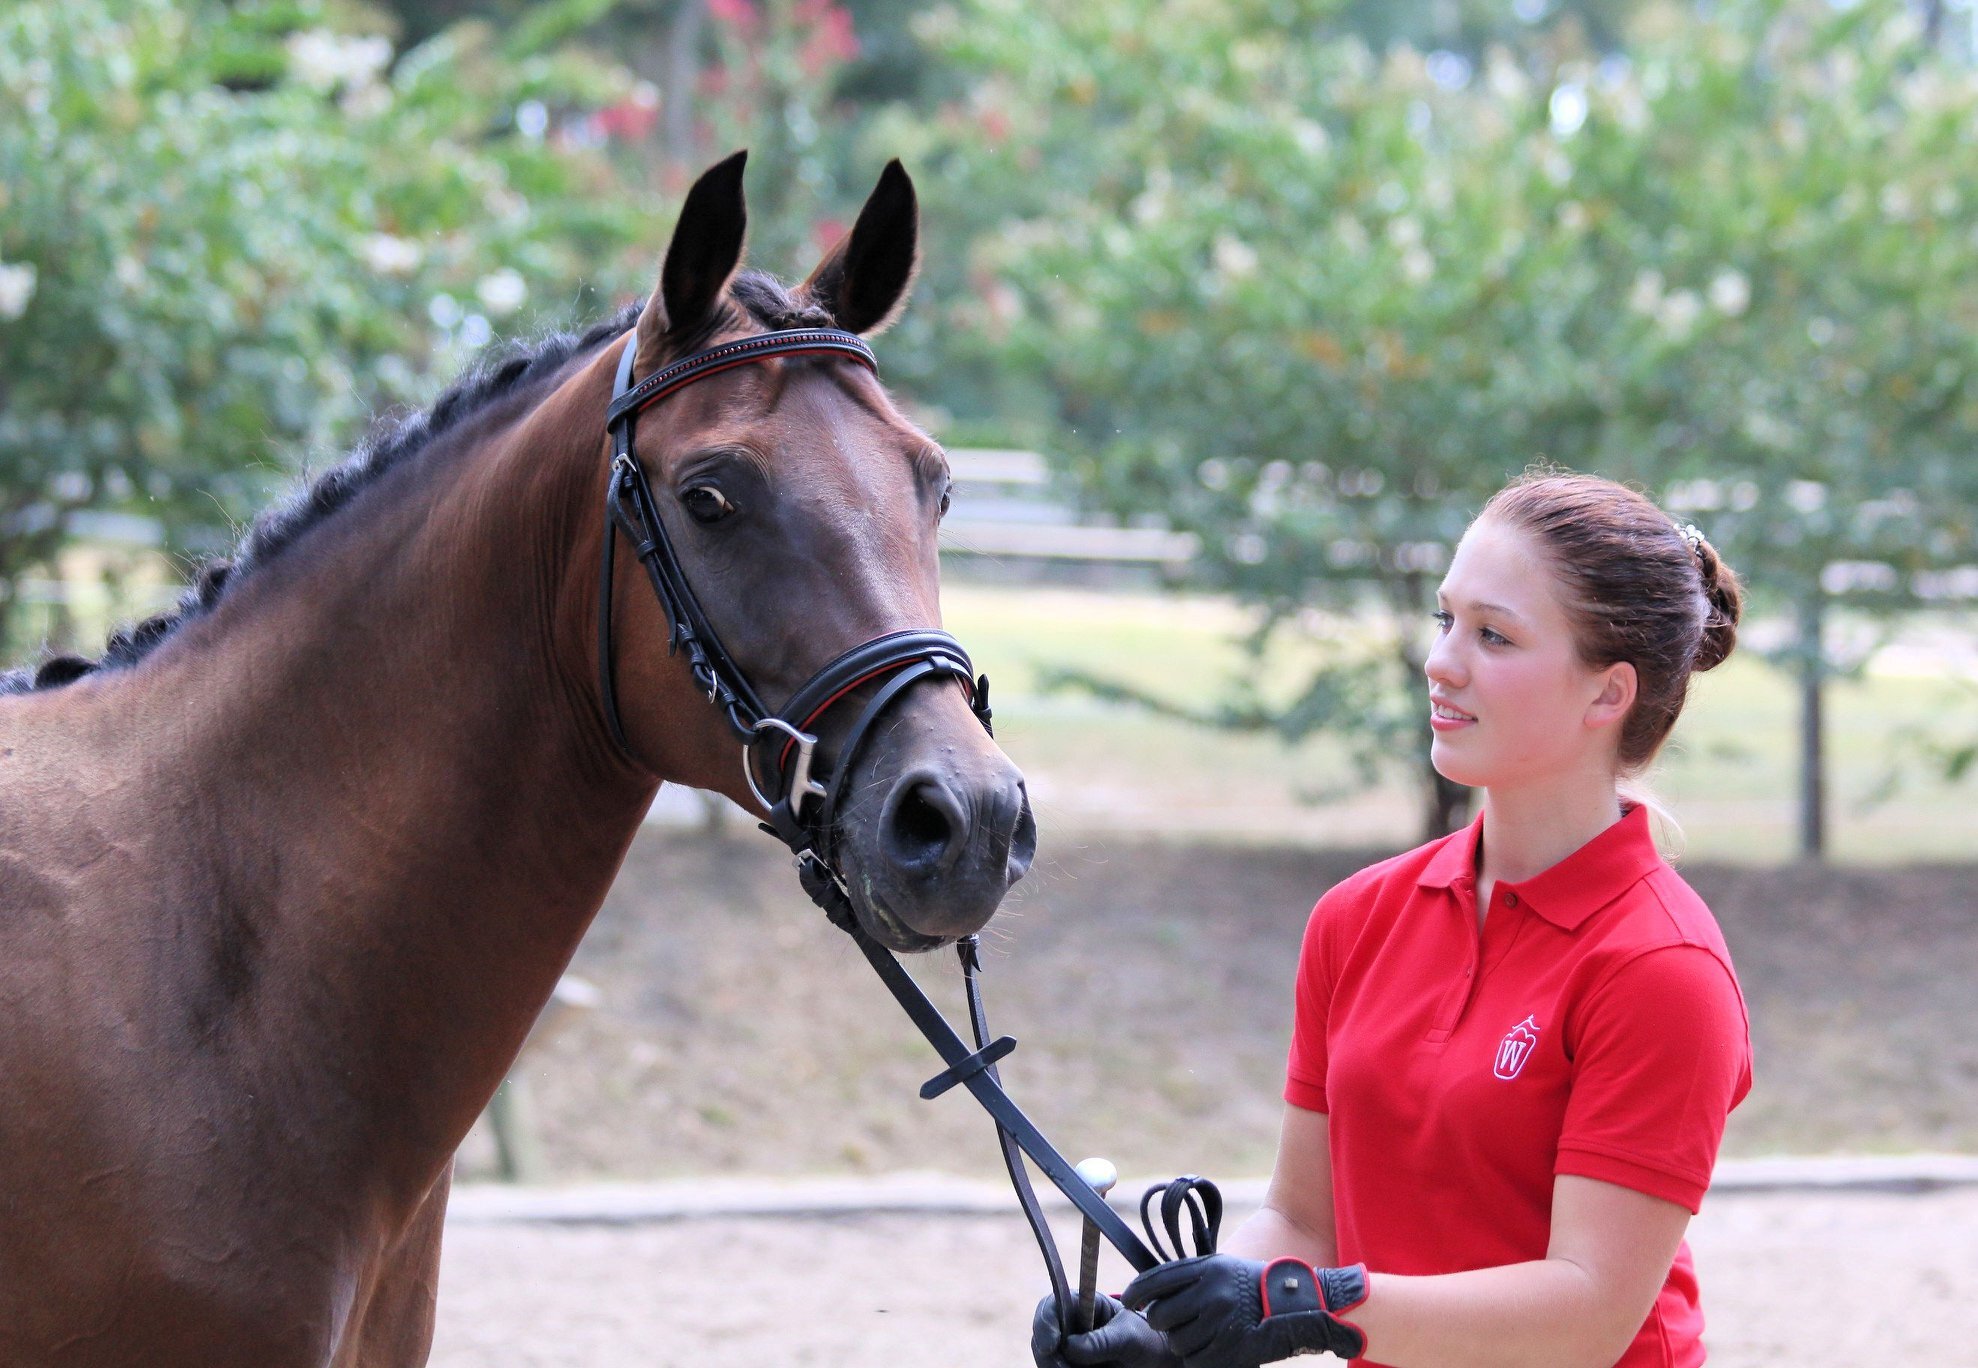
<point x="390" y="444"/>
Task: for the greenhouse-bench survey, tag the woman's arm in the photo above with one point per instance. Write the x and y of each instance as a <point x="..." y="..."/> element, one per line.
<point x="1580" y="1305"/>
<point x="1296" y="1217"/>
<point x="1609" y="1255"/>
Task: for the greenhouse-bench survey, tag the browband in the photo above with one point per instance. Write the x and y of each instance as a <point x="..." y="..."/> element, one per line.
<point x="744" y="351"/>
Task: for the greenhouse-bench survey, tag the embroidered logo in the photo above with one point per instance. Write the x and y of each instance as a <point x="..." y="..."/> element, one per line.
<point x="1516" y="1048"/>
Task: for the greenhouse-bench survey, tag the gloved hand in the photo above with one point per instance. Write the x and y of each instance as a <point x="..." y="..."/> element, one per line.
<point x="1120" y="1339"/>
<point x="1220" y="1311"/>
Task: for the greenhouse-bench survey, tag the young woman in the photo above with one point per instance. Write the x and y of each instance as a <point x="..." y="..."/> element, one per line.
<point x="1514" y="1048"/>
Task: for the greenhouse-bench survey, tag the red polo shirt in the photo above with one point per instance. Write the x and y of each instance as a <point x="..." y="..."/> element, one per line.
<point x="1594" y="1027"/>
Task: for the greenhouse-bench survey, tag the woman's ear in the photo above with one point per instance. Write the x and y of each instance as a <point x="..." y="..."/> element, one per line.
<point x="1610" y="706"/>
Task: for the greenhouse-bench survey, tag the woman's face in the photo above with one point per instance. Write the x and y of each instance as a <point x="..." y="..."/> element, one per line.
<point x="1511" y="704"/>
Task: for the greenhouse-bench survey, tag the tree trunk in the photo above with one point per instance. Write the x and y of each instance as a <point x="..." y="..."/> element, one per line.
<point x="1812" y="741"/>
<point x="683" y="66"/>
<point x="7" y="603"/>
<point x="1448" y="804"/>
<point x="1933" y="23"/>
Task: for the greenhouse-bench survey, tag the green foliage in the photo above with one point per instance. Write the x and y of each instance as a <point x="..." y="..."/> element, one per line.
<point x="771" y="88"/>
<point x="1309" y="278"/>
<point x="228" y="231"/>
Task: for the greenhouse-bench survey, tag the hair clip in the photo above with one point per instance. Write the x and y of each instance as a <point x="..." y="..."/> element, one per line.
<point x="1688" y="532"/>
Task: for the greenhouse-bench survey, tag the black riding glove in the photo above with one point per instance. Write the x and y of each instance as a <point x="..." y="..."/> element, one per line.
<point x="1120" y="1339"/>
<point x="1224" y="1312"/>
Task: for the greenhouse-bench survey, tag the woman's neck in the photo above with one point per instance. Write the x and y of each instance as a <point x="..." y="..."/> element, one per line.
<point x="1526" y="831"/>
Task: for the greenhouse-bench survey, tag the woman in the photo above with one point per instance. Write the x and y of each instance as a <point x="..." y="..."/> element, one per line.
<point x="1514" y="1048"/>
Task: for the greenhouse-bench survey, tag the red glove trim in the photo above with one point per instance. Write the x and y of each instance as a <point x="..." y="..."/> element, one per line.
<point x="1264" y="1282"/>
<point x="1367" y="1283"/>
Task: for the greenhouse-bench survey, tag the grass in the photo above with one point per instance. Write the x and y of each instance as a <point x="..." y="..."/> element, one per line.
<point x="1729" y="774"/>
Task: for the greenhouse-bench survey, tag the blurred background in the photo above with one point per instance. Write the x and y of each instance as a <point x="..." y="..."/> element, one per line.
<point x="1232" y="314"/>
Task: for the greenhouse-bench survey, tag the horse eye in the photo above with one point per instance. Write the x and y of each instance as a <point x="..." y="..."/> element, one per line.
<point x="947" y="497"/>
<point x="706" y="504"/>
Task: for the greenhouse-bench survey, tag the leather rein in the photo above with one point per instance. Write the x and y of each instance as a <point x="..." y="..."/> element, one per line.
<point x="802" y="806"/>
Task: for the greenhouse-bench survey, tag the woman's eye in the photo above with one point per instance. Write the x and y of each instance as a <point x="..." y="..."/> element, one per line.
<point x="1493" y="638"/>
<point x="1442" y="619"/>
<point x="706" y="504"/>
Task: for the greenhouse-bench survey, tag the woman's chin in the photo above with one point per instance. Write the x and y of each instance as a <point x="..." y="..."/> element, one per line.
<point x="1457" y="769"/>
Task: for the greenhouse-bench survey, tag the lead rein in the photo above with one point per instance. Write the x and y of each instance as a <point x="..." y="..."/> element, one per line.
<point x="975" y="1071"/>
<point x="969" y="949"/>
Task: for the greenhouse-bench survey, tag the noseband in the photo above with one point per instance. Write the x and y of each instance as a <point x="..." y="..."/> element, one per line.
<point x="779" y="749"/>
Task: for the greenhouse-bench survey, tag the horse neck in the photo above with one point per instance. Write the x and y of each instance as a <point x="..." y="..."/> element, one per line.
<point x="418" y="812"/>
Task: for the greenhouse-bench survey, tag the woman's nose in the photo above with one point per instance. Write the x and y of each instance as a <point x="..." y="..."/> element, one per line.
<point x="1442" y="667"/>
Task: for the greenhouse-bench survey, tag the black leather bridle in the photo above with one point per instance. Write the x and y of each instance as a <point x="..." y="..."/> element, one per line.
<point x="786" y="783"/>
<point x="779" y="756"/>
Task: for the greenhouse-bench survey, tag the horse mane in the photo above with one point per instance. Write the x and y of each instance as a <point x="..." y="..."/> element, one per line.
<point x="392" y="441"/>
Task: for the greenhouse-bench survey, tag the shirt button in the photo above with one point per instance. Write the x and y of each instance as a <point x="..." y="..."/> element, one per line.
<point x="1510" y="899"/>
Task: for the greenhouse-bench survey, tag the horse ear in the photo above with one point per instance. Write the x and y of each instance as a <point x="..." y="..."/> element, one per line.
<point x="706" y="248"/>
<point x="863" y="281"/>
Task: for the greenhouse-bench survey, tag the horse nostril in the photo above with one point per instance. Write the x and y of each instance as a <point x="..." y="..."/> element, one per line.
<point x="925" y="828"/>
<point x="1023" y="842"/>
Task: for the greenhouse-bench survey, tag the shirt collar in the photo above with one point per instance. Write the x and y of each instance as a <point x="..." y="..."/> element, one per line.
<point x="1570" y="891"/>
<point x="1455" y="858"/>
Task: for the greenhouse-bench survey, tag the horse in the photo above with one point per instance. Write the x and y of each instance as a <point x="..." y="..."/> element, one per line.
<point x="286" y="877"/>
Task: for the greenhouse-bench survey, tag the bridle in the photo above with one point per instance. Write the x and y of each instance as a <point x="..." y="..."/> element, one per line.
<point x="802" y="807"/>
<point x="779" y="749"/>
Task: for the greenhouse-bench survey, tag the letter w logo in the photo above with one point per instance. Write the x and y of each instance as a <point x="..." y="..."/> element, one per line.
<point x="1516" y="1048"/>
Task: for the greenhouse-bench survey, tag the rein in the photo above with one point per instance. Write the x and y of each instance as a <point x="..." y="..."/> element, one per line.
<point x="786" y="781"/>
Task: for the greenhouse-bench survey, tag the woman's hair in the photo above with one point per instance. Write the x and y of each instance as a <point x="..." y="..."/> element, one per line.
<point x="1637" y="588"/>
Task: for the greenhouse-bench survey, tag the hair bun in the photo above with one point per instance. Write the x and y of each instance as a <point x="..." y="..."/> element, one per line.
<point x="1723" y="592"/>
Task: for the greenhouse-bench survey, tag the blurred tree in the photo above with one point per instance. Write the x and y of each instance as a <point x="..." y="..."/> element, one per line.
<point x="1304" y="303"/>
<point x="771" y="87"/>
<point x="228" y="231"/>
<point x="1793" y="187"/>
<point x="1472" y="27"/>
<point x="1316" y="305"/>
<point x="792" y="80"/>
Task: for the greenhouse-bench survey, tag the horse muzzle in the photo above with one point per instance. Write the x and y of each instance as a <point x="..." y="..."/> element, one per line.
<point x="934" y="835"/>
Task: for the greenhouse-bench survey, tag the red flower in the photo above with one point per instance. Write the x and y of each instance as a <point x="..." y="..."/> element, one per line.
<point x="738" y="14"/>
<point x="833" y="40"/>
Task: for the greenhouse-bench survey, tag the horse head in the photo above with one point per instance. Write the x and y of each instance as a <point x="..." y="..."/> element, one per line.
<point x="803" y="508"/>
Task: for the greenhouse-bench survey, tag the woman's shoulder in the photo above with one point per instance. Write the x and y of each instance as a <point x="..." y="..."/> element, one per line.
<point x="1637" y="932"/>
<point x="1670" y="912"/>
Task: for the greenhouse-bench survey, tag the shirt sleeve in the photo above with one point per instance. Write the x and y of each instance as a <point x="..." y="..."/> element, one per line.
<point x="1662" y="1055"/>
<point x="1305" y="1070"/>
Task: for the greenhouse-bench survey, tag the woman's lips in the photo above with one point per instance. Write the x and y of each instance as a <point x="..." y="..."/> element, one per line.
<point x="1445" y="718"/>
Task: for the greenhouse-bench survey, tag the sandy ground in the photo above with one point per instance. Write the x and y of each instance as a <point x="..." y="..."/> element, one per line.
<point x="1790" y="1281"/>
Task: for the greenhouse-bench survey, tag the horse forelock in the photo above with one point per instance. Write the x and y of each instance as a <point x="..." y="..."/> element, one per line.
<point x="772" y="305"/>
<point x="392" y="442"/>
